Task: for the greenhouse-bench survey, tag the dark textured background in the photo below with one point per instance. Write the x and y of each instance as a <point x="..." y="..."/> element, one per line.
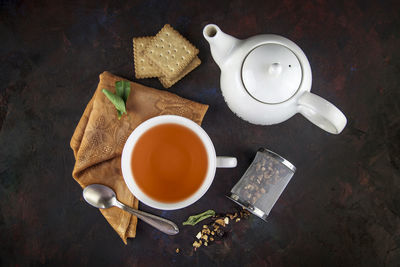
<point x="342" y="208"/>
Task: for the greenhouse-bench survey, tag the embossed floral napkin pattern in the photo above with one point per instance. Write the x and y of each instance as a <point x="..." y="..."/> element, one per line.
<point x="99" y="138"/>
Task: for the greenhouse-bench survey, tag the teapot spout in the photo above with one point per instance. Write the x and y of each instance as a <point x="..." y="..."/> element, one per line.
<point x="221" y="44"/>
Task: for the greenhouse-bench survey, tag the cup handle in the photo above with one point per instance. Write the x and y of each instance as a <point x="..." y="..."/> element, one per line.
<point x="226" y="162"/>
<point x="321" y="112"/>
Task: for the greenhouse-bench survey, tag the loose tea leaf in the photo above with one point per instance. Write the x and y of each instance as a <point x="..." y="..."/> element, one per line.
<point x="194" y="219"/>
<point x="122" y="91"/>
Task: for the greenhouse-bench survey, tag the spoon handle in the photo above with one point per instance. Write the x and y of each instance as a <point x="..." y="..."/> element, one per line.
<point x="159" y="223"/>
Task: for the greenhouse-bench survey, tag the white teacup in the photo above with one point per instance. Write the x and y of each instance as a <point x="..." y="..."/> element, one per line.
<point x="213" y="161"/>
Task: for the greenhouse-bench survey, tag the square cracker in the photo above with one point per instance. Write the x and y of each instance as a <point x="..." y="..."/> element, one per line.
<point x="167" y="83"/>
<point x="144" y="68"/>
<point x="170" y="52"/>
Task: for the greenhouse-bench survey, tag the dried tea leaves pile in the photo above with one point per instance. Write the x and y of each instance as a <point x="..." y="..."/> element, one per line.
<point x="216" y="229"/>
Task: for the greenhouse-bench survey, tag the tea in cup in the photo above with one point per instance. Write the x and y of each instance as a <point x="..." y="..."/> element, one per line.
<point x="169" y="162"/>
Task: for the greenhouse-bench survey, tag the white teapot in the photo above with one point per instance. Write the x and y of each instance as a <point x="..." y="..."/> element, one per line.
<point x="266" y="79"/>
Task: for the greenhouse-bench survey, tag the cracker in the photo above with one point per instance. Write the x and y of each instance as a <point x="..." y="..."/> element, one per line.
<point x="167" y="83"/>
<point x="144" y="68"/>
<point x="170" y="52"/>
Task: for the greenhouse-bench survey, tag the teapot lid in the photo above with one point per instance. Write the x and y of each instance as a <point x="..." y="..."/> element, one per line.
<point x="271" y="73"/>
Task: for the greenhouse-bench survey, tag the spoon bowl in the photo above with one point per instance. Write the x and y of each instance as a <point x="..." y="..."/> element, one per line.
<point x="99" y="196"/>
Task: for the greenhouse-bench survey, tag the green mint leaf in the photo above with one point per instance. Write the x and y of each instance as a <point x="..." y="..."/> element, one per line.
<point x="116" y="100"/>
<point x="119" y="89"/>
<point x="127" y="90"/>
<point x="119" y="114"/>
<point x="122" y="91"/>
<point x="194" y="219"/>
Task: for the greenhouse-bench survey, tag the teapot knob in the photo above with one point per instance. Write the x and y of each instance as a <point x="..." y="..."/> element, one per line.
<point x="275" y="69"/>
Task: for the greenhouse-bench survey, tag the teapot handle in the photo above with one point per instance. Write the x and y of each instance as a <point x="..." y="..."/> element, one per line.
<point x="321" y="112"/>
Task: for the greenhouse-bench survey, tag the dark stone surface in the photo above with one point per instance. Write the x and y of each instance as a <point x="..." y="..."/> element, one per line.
<point x="342" y="208"/>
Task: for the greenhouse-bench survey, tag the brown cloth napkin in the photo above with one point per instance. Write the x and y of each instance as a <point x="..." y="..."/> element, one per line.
<point x="99" y="138"/>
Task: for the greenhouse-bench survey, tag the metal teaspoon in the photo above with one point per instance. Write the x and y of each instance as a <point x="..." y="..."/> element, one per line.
<point x="103" y="197"/>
